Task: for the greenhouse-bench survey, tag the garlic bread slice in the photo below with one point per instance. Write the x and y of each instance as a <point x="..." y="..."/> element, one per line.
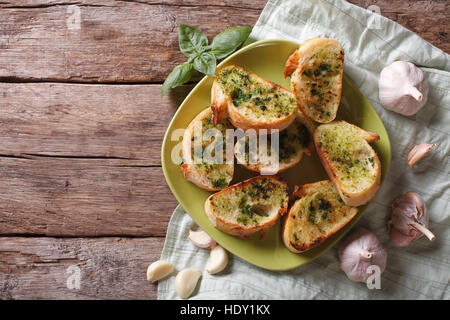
<point x="207" y="174"/>
<point x="316" y="71"/>
<point x="250" y="101"/>
<point x="351" y="163"/>
<point x="292" y="143"/>
<point x="249" y="206"/>
<point x="317" y="215"/>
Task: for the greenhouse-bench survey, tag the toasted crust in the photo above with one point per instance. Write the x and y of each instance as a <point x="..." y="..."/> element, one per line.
<point x="300" y="232"/>
<point x="219" y="103"/>
<point x="358" y="151"/>
<point x="223" y="106"/>
<point x="291" y="64"/>
<point x="318" y="95"/>
<point x="232" y="198"/>
<point x="289" y="140"/>
<point x="193" y="172"/>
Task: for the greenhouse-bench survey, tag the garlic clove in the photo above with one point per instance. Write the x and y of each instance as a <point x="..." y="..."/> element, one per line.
<point x="418" y="152"/>
<point x="201" y="239"/>
<point x="159" y="270"/>
<point x="186" y="281"/>
<point x="218" y="260"/>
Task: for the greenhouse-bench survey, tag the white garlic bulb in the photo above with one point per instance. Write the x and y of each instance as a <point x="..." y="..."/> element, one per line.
<point x="361" y="250"/>
<point x="403" y="88"/>
<point x="409" y="220"/>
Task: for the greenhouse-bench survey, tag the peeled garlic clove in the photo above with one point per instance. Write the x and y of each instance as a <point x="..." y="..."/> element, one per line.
<point x="361" y="250"/>
<point x="409" y="220"/>
<point x="403" y="88"/>
<point x="201" y="239"/>
<point x="186" y="281"/>
<point x="158" y="270"/>
<point x="418" y="152"/>
<point x="218" y="260"/>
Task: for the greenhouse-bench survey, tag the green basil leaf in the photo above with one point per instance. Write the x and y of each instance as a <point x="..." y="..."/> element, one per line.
<point x="179" y="75"/>
<point x="226" y="42"/>
<point x="205" y="63"/>
<point x="192" y="41"/>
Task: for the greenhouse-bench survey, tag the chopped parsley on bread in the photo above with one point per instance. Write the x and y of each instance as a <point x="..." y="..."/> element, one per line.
<point x="206" y="173"/>
<point x="316" y="71"/>
<point x="293" y="142"/>
<point x="317" y="215"/>
<point x="351" y="163"/>
<point x="249" y="206"/>
<point x="251" y="102"/>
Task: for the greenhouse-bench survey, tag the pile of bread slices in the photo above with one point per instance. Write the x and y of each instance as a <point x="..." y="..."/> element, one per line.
<point x="305" y="120"/>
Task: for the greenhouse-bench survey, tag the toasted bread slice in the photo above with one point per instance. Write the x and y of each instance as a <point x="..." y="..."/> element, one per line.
<point x="208" y="174"/>
<point x="351" y="163"/>
<point x="249" y="206"/>
<point x="316" y="70"/>
<point x="293" y="142"/>
<point x="317" y="215"/>
<point x="250" y="101"/>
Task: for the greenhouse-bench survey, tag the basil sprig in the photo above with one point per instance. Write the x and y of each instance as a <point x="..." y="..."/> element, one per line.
<point x="202" y="56"/>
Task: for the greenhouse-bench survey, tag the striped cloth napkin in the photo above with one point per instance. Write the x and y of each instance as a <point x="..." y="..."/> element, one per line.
<point x="419" y="271"/>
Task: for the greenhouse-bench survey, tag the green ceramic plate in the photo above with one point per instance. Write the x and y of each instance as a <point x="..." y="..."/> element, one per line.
<point x="266" y="59"/>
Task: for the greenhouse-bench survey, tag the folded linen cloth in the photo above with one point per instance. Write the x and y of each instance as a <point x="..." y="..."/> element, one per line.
<point x="419" y="271"/>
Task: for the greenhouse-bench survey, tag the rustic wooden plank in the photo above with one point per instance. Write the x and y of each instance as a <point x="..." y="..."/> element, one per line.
<point x="110" y="268"/>
<point x="82" y="197"/>
<point x="131" y="41"/>
<point x="116" y="42"/>
<point x="123" y="121"/>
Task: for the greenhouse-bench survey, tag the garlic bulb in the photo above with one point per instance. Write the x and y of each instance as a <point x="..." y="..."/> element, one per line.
<point x="409" y="220"/>
<point x="403" y="88"/>
<point x="361" y="250"/>
<point x="418" y="152"/>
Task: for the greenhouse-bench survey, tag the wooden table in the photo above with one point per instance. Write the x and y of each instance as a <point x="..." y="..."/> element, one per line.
<point x="81" y="126"/>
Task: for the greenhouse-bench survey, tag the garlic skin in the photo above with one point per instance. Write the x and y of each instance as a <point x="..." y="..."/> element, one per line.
<point x="409" y="220"/>
<point x="159" y="270"/>
<point x="403" y="88"/>
<point x="186" y="281"/>
<point x="218" y="260"/>
<point x="361" y="250"/>
<point x="418" y="152"/>
<point x="201" y="239"/>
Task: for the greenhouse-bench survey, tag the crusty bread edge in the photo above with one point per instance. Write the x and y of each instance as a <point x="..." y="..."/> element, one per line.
<point x="219" y="103"/>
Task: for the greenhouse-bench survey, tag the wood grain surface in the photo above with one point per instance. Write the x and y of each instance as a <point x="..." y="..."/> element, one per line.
<point x="110" y="268"/>
<point x="131" y="41"/>
<point x="81" y="126"/>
